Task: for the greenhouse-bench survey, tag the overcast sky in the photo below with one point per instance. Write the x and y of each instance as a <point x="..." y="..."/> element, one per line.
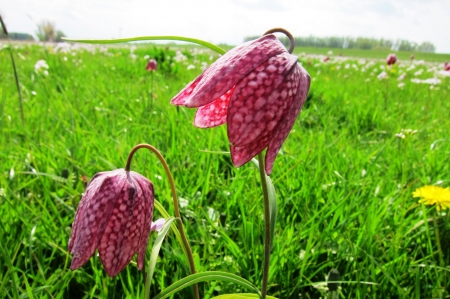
<point x="229" y="21"/>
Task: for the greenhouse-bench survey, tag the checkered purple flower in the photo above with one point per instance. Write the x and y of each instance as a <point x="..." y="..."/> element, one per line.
<point x="258" y="89"/>
<point x="114" y="217"/>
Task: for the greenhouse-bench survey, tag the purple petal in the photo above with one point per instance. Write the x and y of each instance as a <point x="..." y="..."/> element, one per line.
<point x="242" y="154"/>
<point x="183" y="96"/>
<point x="148" y="199"/>
<point x="120" y="239"/>
<point x="215" y="113"/>
<point x="93" y="212"/>
<point x="227" y="71"/>
<point x="282" y="131"/>
<point x="261" y="99"/>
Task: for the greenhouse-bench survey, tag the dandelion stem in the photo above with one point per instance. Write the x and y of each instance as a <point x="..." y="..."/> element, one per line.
<point x="438" y="241"/>
<point x="267" y="244"/>
<point x="175" y="204"/>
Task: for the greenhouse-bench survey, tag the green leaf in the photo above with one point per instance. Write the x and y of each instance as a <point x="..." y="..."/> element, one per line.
<point x="166" y="216"/>
<point x="27" y="285"/>
<point x="273" y="208"/>
<point x="154" y="255"/>
<point x="10" y="270"/>
<point x="206" y="276"/>
<point x="241" y="296"/>
<point x="143" y="38"/>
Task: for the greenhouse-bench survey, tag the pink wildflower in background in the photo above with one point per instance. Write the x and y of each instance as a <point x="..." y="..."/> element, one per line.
<point x="258" y="89"/>
<point x="152" y="65"/>
<point x="113" y="216"/>
<point x="391" y="59"/>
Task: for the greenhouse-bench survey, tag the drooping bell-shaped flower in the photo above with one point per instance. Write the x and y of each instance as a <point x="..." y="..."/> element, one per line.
<point x="447" y="66"/>
<point x="258" y="88"/>
<point x="391" y="59"/>
<point x="152" y="65"/>
<point x="114" y="217"/>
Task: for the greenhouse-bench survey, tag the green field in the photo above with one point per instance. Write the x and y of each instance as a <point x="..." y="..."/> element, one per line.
<point x="344" y="181"/>
<point x="381" y="54"/>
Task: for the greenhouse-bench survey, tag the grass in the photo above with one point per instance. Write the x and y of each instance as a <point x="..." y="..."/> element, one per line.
<point x="381" y="54"/>
<point x="343" y="180"/>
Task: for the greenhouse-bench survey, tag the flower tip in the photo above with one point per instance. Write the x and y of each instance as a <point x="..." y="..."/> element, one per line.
<point x="157" y="225"/>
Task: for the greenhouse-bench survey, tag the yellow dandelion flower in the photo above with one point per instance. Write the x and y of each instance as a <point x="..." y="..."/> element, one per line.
<point x="434" y="195"/>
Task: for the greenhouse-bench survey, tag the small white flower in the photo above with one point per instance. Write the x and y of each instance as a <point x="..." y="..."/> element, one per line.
<point x="382" y="75"/>
<point x="401" y="77"/>
<point x="190" y="67"/>
<point x="401" y="85"/>
<point x="183" y="202"/>
<point x="432" y="81"/>
<point x="40" y="64"/>
<point x="157" y="225"/>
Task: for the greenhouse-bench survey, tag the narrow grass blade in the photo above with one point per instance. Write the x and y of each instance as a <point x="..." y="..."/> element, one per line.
<point x="27" y="285"/>
<point x="166" y="215"/>
<point x="205" y="276"/>
<point x="240" y="296"/>
<point x="154" y="255"/>
<point x="10" y="270"/>
<point x="16" y="76"/>
<point x="272" y="206"/>
<point x="33" y="291"/>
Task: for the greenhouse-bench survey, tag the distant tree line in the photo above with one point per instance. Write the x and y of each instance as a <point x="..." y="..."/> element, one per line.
<point x="16" y="36"/>
<point x="46" y="32"/>
<point x="357" y="43"/>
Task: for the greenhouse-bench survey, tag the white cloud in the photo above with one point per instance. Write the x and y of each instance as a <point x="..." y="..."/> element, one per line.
<point x="230" y="21"/>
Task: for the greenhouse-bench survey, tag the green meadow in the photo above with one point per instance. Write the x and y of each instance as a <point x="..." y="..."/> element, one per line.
<point x="343" y="179"/>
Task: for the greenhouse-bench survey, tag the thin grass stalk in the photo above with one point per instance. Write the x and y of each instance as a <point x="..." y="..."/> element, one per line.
<point x="16" y="76"/>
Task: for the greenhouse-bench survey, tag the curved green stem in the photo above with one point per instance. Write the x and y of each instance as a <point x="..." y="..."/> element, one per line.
<point x="144" y="38"/>
<point x="267" y="244"/>
<point x="175" y="204"/>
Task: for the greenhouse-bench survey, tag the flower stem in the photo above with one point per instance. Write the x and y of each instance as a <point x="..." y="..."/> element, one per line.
<point x="144" y="38"/>
<point x="287" y="33"/>
<point x="267" y="244"/>
<point x="175" y="204"/>
<point x="438" y="241"/>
